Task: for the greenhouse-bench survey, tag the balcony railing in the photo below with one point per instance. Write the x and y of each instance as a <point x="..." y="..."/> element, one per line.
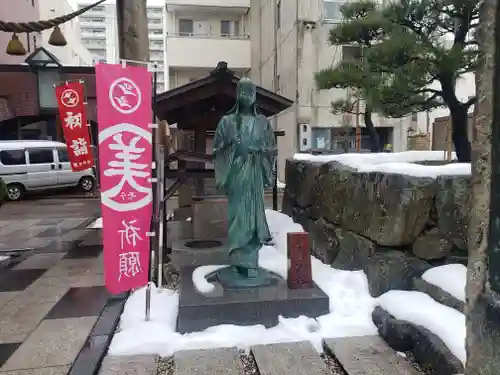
<point x="205" y="51"/>
<point x="209" y="36"/>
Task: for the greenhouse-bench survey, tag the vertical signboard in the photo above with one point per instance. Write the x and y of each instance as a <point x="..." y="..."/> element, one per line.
<point x="125" y="157"/>
<point x="70" y="100"/>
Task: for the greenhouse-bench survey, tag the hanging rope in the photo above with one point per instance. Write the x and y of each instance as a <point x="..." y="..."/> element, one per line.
<point x="37" y="26"/>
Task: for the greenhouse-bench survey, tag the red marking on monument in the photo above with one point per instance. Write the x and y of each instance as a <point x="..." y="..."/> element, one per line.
<point x="299" y="272"/>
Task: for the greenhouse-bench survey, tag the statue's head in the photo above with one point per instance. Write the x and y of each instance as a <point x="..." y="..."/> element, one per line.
<point x="246" y="93"/>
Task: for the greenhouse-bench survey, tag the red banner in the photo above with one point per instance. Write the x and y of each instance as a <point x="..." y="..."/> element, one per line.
<point x="70" y="99"/>
<point x="125" y="158"/>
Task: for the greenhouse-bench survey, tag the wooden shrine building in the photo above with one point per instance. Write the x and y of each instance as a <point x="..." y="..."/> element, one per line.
<point x="196" y="109"/>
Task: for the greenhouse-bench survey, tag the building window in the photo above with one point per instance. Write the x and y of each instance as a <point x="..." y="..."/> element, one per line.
<point x="304" y="128"/>
<point x="229" y="28"/>
<point x="351" y="53"/>
<point x="332" y="10"/>
<point x="304" y="141"/>
<point x="414" y="117"/>
<point x="186" y="27"/>
<point x="278" y="15"/>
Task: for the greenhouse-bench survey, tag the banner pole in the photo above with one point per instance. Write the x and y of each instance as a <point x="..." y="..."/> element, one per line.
<point x="154" y="218"/>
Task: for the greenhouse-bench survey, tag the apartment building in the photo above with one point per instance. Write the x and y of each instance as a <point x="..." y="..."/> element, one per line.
<point x="74" y="53"/>
<point x="290" y="43"/>
<point x="99" y="35"/>
<point x="200" y="33"/>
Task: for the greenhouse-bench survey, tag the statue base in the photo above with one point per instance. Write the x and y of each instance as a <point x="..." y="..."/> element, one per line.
<point x="233" y="278"/>
<point x="245" y="306"/>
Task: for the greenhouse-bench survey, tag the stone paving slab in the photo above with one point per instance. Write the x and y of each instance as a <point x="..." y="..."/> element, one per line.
<point x="368" y="355"/>
<point x="55" y="342"/>
<point x="57" y="370"/>
<point x="297" y="358"/>
<point x="40" y="261"/>
<point x="20" y="319"/>
<point x="6" y="297"/>
<point x="129" y="365"/>
<point x="221" y="361"/>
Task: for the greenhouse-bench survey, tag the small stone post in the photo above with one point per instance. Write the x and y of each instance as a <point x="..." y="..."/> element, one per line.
<point x="299" y="258"/>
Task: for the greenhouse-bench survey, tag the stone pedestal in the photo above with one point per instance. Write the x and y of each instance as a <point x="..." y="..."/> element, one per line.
<point x="178" y="231"/>
<point x="210" y="217"/>
<point x="195" y="253"/>
<point x="259" y="305"/>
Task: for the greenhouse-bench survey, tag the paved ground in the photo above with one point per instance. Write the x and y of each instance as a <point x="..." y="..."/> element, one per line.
<point x="50" y="296"/>
<point x="367" y="355"/>
<point x="36" y="224"/>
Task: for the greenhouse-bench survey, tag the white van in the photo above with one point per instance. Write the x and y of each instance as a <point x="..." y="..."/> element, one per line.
<point x="39" y="165"/>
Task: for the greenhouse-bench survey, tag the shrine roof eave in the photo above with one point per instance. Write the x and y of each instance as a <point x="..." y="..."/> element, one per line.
<point x="220" y="83"/>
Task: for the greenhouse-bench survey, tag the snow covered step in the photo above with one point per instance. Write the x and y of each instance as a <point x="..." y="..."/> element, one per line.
<point x="220" y="361"/>
<point x="368" y="355"/>
<point x="445" y="284"/>
<point x="296" y="358"/>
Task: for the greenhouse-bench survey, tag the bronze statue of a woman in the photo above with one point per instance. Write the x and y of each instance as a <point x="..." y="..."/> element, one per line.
<point x="244" y="160"/>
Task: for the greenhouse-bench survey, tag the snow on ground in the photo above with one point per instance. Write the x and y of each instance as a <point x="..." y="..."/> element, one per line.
<point x="451" y="278"/>
<point x="350" y="309"/>
<point x="397" y="163"/>
<point x="4" y="257"/>
<point x="96" y="224"/>
<point x="420" y="309"/>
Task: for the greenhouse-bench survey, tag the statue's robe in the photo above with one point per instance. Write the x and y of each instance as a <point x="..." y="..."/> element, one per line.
<point x="244" y="159"/>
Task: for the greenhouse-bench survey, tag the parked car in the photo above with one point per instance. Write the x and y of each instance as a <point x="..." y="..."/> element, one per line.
<point x="39" y="165"/>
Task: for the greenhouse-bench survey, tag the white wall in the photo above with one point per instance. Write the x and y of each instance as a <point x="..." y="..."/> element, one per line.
<point x="74" y="53"/>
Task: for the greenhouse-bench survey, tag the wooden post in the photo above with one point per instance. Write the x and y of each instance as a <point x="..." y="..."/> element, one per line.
<point x="449" y="141"/>
<point x="299" y="272"/>
<point x="133" y="38"/>
<point x="358" y="128"/>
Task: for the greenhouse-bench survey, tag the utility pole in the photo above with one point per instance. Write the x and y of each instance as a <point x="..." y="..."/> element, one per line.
<point x="133" y="38"/>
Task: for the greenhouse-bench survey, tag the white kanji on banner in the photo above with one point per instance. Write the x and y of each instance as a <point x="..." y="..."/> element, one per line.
<point x="129" y="234"/>
<point x="80" y="147"/>
<point x="126" y="165"/>
<point x="72" y="121"/>
<point x="130" y="264"/>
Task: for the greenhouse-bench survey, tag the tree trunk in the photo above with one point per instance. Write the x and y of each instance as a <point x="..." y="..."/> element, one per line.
<point x="482" y="303"/>
<point x="133" y="38"/>
<point x="459" y="132"/>
<point x="374" y="137"/>
<point x="459" y="119"/>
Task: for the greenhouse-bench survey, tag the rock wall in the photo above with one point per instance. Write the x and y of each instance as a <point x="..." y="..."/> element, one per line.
<point x="394" y="227"/>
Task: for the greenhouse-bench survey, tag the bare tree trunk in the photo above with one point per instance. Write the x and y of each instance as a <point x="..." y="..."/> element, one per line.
<point x="482" y="311"/>
<point x="133" y="38"/>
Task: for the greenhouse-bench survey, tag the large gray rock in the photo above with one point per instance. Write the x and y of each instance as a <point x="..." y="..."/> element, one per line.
<point x="392" y="270"/>
<point x="428" y="350"/>
<point x="389" y="209"/>
<point x="353" y="250"/>
<point x="438" y="294"/>
<point x="300" y="181"/>
<point x="323" y="240"/>
<point x="432" y="245"/>
<point x="452" y="204"/>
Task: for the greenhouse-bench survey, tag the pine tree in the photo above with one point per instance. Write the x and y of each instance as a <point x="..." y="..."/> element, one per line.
<point x="404" y="53"/>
